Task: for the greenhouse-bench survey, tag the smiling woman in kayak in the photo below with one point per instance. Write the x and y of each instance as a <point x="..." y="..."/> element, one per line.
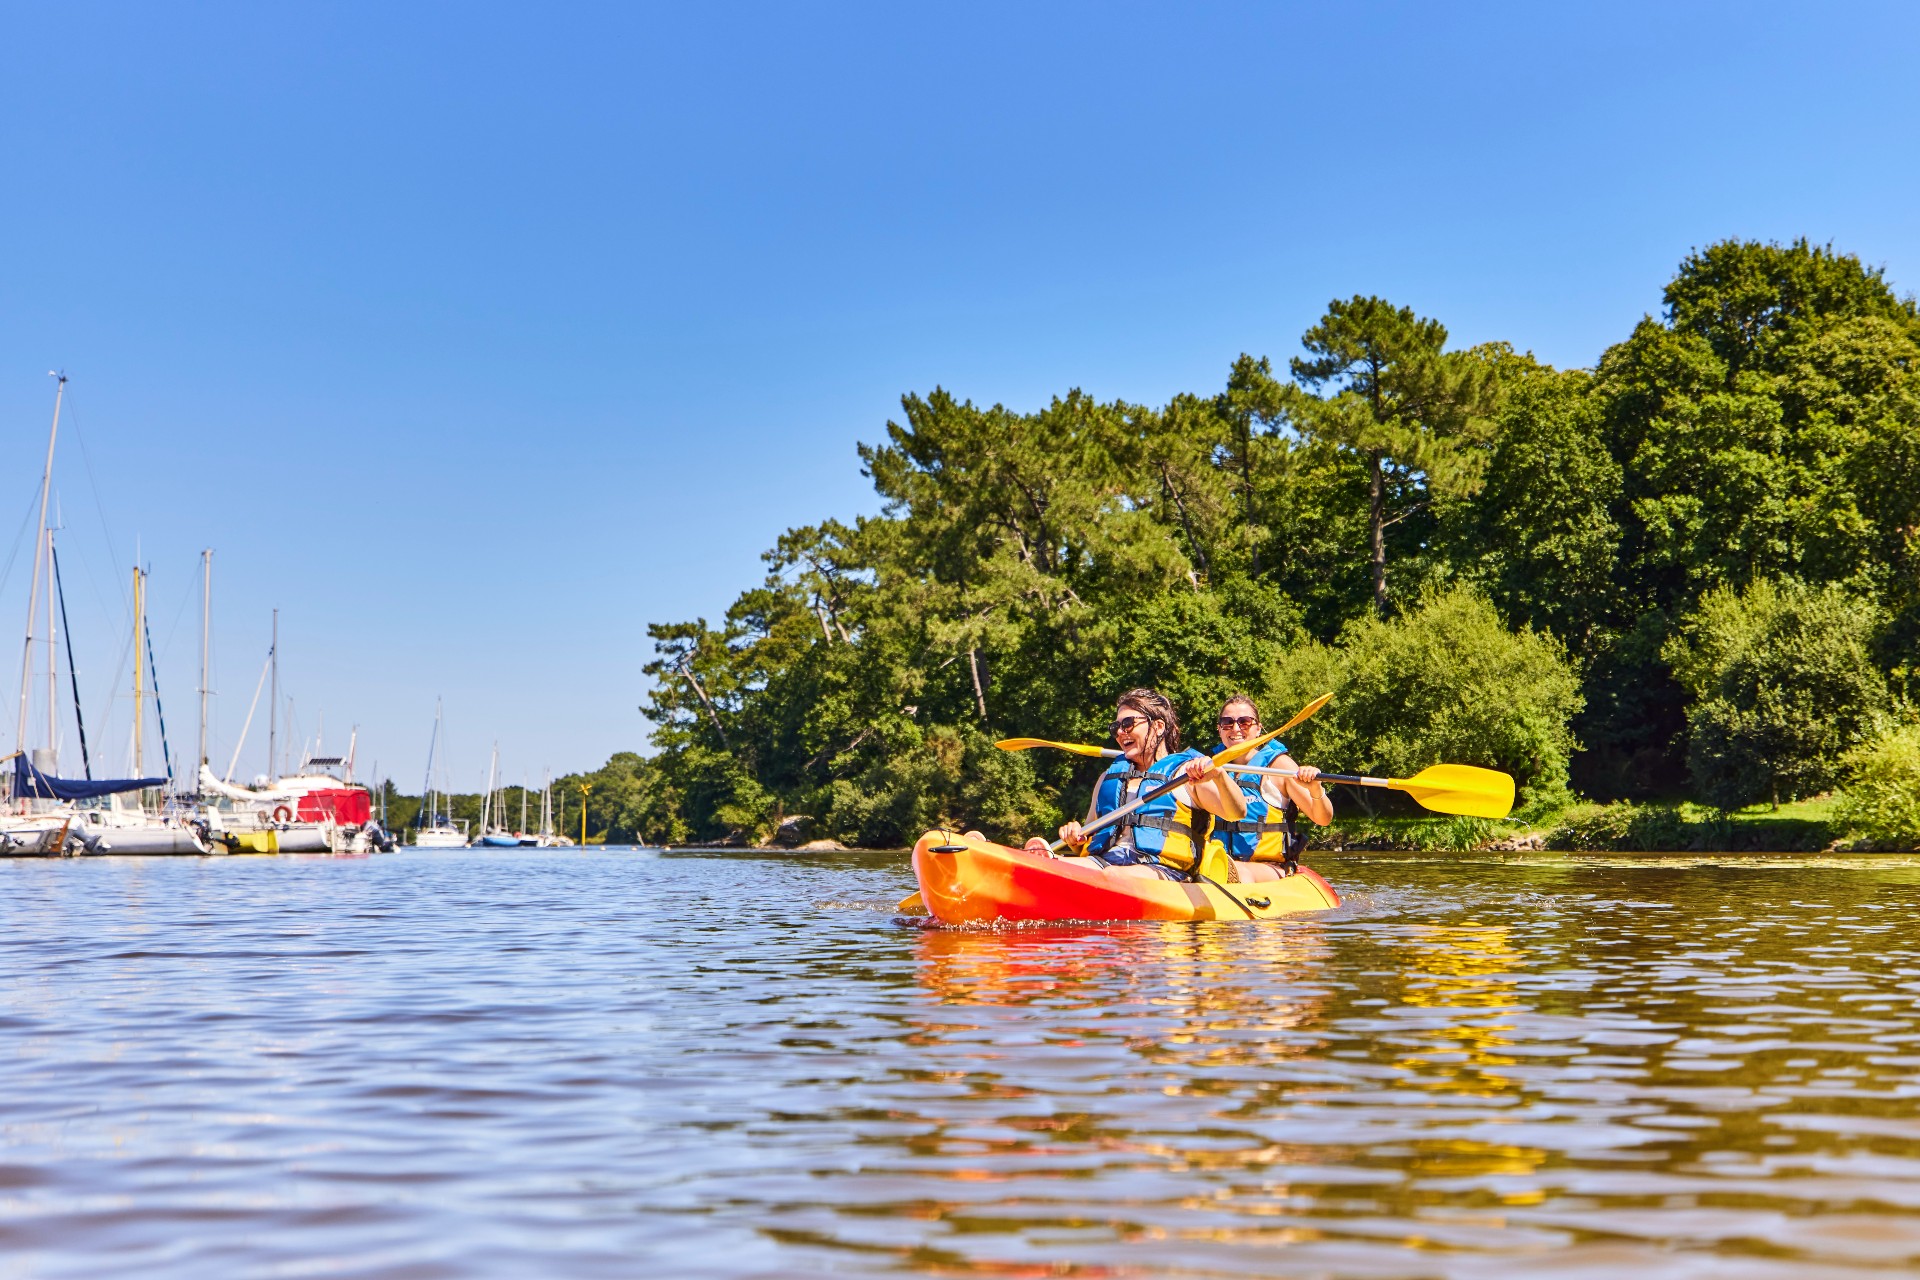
<point x="1261" y="839"/>
<point x="1159" y="839"/>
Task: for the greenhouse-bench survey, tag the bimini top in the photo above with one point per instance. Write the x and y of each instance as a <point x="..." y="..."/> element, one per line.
<point x="30" y="783"/>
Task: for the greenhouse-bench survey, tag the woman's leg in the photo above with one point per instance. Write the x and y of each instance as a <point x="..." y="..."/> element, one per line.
<point x="1254" y="871"/>
<point x="1137" y="871"/>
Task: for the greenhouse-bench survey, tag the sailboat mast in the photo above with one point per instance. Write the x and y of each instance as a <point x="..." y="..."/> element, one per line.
<point x="139" y="683"/>
<point x="53" y="678"/>
<point x="73" y="672"/>
<point x="206" y="648"/>
<point x="39" y="547"/>
<point x="273" y="703"/>
<point x="486" y="806"/>
<point x="426" y="787"/>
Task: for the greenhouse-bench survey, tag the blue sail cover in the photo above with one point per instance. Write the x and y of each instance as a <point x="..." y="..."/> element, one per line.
<point x="30" y="783"/>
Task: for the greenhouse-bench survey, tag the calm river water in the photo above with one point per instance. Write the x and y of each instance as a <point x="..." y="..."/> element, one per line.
<point x="621" y="1063"/>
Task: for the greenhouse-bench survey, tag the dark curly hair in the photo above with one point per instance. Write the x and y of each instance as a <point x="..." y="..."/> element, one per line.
<point x="1155" y="707"/>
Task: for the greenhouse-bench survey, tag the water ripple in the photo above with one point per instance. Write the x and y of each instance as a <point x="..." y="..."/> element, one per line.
<point x="615" y="1062"/>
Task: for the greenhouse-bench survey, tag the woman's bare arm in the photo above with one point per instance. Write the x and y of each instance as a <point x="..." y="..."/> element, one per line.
<point x="1310" y="796"/>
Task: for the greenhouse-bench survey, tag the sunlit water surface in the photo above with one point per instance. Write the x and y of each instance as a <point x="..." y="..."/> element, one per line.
<point x="585" y="1063"/>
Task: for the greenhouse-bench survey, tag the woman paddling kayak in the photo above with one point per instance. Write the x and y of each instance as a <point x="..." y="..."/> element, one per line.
<point x="1266" y="839"/>
<point x="1162" y="837"/>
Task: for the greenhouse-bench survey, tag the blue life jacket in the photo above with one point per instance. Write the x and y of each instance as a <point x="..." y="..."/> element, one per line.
<point x="1164" y="830"/>
<point x="1264" y="834"/>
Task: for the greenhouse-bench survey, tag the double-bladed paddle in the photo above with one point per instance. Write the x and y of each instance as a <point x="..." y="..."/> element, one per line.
<point x="1462" y="789"/>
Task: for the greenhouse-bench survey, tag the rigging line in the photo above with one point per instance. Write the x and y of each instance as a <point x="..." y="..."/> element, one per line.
<point x="19" y="538"/>
<point x="86" y="459"/>
<point x="73" y="672"/>
<point x="106" y="712"/>
<point x="153" y="671"/>
<point x="251" y="706"/>
<point x="115" y="621"/>
<point x="186" y="598"/>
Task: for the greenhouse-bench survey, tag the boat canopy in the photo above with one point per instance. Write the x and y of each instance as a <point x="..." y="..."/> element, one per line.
<point x="30" y="783"/>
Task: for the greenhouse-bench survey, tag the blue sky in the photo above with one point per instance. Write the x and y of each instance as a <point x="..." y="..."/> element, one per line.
<point x="475" y="337"/>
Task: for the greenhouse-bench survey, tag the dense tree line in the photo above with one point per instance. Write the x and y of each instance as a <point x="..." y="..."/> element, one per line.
<point x="1692" y="569"/>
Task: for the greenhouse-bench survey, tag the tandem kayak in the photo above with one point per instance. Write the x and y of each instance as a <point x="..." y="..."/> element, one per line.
<point x="978" y="882"/>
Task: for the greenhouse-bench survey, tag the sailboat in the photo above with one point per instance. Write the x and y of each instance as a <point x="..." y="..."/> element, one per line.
<point x="547" y="839"/>
<point x="42" y="817"/>
<point x="493" y="836"/>
<point x="436" y="829"/>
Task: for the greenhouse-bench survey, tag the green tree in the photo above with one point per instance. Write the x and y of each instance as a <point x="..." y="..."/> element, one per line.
<point x="1760" y="432"/>
<point x="1783" y="685"/>
<point x="1445" y="681"/>
<point x="1750" y="300"/>
<point x="1540" y="536"/>
<point x="1416" y="414"/>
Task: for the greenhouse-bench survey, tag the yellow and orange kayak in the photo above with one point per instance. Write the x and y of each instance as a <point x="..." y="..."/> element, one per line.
<point x="977" y="882"/>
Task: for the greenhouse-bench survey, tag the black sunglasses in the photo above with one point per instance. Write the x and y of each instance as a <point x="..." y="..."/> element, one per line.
<point x="1244" y="722"/>
<point x="1126" y="723"/>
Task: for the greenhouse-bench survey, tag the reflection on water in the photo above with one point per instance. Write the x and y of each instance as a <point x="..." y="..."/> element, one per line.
<point x="612" y="1062"/>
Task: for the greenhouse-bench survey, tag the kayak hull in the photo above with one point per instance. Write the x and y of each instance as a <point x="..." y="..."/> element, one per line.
<point x="978" y="882"/>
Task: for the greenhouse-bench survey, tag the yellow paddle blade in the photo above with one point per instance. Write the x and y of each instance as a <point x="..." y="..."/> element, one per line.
<point x="913" y="904"/>
<point x="1234" y="753"/>
<point x="1021" y="744"/>
<point x="1306" y="712"/>
<point x="1461" y="789"/>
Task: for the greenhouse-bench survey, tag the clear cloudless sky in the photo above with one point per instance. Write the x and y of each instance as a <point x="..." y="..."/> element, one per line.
<point x="474" y="337"/>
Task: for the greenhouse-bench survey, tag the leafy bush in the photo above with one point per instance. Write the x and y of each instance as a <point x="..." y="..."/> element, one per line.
<point x="1446" y="681"/>
<point x="1881" y="803"/>
<point x="1626" y="827"/>
<point x="1783" y="683"/>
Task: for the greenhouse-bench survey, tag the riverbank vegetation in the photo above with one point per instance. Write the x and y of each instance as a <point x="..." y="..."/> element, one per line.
<point x="1685" y="581"/>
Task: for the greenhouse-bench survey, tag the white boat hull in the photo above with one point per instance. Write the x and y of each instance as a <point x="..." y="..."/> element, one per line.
<point x="40" y="837"/>
<point x="143" y="840"/>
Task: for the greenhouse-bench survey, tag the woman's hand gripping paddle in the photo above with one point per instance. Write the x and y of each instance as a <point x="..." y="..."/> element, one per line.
<point x="1462" y="789"/>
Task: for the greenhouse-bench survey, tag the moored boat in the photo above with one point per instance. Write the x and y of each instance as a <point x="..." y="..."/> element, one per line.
<point x="966" y="880"/>
<point x="319" y="809"/>
<point x="40" y="835"/>
<point x="117" y="830"/>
